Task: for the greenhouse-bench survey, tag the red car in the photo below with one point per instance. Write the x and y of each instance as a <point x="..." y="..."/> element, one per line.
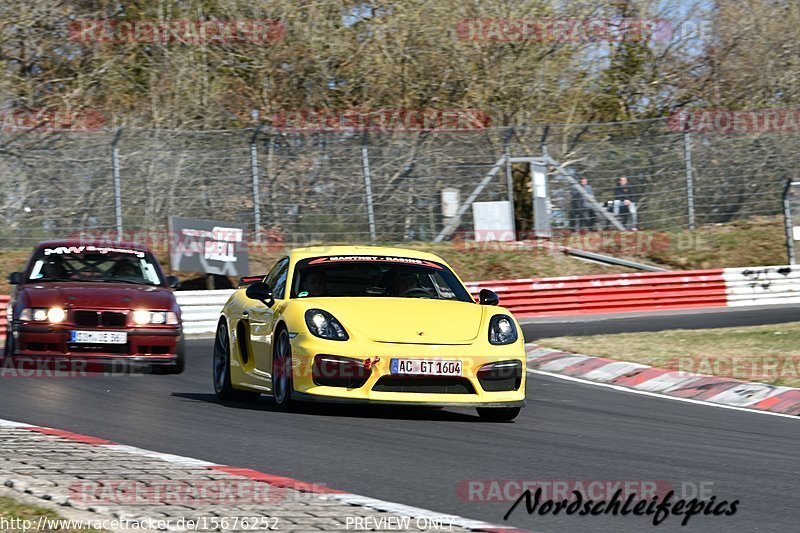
<point x="98" y="303"/>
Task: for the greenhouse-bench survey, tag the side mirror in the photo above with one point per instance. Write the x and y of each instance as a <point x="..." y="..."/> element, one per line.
<point x="15" y="278"/>
<point x="173" y="281"/>
<point x="262" y="292"/>
<point x="488" y="297"/>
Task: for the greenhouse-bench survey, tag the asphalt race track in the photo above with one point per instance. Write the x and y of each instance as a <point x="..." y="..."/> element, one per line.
<point x="569" y="431"/>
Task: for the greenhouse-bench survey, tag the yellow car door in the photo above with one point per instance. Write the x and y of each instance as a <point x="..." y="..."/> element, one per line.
<point x="262" y="320"/>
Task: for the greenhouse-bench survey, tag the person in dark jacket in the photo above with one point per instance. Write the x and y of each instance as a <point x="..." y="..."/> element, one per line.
<point x="583" y="216"/>
<point x="625" y="204"/>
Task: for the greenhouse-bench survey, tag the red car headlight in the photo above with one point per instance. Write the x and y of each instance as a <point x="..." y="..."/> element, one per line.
<point x="143" y="318"/>
<point x="39" y="314"/>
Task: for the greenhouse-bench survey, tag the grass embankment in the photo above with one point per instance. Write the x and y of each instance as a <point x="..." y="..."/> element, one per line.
<point x="767" y="354"/>
<point x="757" y="241"/>
<point x="15" y="513"/>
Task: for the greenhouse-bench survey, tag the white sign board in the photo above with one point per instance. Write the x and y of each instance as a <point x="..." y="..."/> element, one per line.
<point x="540" y="184"/>
<point x="796" y="233"/>
<point x="450" y="202"/>
<point x="492" y="221"/>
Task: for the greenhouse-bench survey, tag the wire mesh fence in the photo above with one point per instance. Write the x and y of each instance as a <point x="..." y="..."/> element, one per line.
<point x="351" y="186"/>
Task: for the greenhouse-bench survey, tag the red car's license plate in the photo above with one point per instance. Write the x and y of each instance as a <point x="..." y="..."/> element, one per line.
<point x="425" y="368"/>
<point x="99" y="337"/>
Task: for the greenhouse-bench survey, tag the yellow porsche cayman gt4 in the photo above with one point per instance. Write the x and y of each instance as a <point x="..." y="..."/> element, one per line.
<point x="369" y="324"/>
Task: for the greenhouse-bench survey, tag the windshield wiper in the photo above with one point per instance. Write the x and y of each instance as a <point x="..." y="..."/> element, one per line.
<point x="116" y="280"/>
<point x="125" y="281"/>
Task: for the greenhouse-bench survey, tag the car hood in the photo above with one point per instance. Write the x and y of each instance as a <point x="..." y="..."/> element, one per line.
<point x="406" y="320"/>
<point x="93" y="295"/>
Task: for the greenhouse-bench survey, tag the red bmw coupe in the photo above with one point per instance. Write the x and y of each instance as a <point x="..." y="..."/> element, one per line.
<point x="97" y="303"/>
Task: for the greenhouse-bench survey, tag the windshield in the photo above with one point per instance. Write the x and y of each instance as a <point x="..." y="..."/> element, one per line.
<point x="371" y="276"/>
<point x="91" y="263"/>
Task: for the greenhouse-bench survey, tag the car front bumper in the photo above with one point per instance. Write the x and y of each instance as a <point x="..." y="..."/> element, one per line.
<point x="144" y="344"/>
<point x="383" y="387"/>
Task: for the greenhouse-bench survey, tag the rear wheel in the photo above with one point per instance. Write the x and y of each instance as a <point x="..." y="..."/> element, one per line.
<point x="282" y="372"/>
<point x="222" y="368"/>
<point x="498" y="414"/>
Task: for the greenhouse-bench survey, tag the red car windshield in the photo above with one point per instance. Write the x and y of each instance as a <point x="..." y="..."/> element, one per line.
<point x="376" y="276"/>
<point x="94" y="263"/>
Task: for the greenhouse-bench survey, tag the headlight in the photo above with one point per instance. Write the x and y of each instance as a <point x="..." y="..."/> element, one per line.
<point x="143" y="318"/>
<point x="322" y="324"/>
<point x="502" y="330"/>
<point x="54" y="314"/>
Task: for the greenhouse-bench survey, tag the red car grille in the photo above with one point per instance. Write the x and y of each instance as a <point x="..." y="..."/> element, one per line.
<point x="93" y="319"/>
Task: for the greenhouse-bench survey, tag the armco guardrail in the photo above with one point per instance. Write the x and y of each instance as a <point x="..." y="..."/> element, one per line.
<point x="200" y="309"/>
<point x="573" y="295"/>
<point x="3" y="316"/>
<point x="762" y="285"/>
<point x="609" y="293"/>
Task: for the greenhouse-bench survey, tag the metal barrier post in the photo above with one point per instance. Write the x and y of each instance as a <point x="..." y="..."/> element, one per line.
<point x="117" y="183"/>
<point x="368" y="192"/>
<point x="687" y="156"/>
<point x="256" y="193"/>
<point x="787" y="219"/>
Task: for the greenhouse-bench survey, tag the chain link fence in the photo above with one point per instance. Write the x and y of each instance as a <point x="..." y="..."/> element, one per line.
<point x="376" y="187"/>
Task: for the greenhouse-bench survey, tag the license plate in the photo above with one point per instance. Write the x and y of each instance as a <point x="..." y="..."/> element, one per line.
<point x="425" y="368"/>
<point x="99" y="337"/>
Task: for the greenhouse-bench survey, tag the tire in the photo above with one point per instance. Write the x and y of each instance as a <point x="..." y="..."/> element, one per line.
<point x="175" y="368"/>
<point x="8" y="349"/>
<point x="282" y="383"/>
<point x="221" y="368"/>
<point x="498" y="414"/>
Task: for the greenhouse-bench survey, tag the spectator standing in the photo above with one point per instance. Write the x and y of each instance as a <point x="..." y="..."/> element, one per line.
<point x="624" y="204"/>
<point x="583" y="215"/>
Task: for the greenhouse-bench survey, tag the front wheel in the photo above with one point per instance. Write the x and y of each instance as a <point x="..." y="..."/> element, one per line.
<point x="8" y="350"/>
<point x="498" y="414"/>
<point x="282" y="372"/>
<point x="222" y="368"/>
<point x="174" y="368"/>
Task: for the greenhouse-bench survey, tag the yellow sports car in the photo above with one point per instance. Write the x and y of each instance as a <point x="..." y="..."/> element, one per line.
<point x="369" y="324"/>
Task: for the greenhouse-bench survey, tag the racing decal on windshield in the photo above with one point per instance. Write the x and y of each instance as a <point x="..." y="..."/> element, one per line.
<point x="373" y="258"/>
<point x="77" y="250"/>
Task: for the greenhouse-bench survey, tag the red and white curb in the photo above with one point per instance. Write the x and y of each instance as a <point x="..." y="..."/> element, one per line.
<point x="271" y="479"/>
<point x="644" y="379"/>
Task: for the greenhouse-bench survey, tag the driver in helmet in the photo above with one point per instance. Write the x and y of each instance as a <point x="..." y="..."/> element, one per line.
<point x="404" y="283"/>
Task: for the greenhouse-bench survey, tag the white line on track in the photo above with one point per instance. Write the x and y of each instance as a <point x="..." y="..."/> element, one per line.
<point x="662" y="396"/>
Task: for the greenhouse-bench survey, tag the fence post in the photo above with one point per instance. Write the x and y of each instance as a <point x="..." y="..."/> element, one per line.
<point x="510" y="181"/>
<point x="787" y="221"/>
<point x="368" y="191"/>
<point x="687" y="156"/>
<point x="117" y="184"/>
<point x="254" y="174"/>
